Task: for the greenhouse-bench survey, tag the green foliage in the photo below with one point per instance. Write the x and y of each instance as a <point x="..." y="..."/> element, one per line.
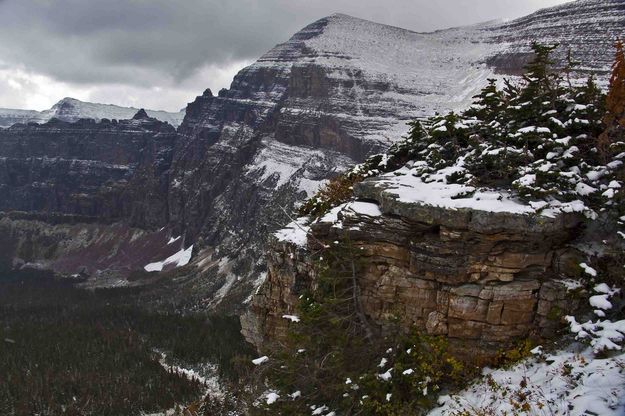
<point x="536" y="138"/>
<point x="330" y="335"/>
<point x="419" y="366"/>
<point x="512" y="356"/>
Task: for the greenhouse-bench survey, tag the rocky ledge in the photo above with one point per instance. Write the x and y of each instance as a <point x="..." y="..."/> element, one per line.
<point x="484" y="279"/>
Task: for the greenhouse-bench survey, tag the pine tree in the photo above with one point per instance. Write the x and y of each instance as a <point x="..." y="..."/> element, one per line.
<point x="614" y="119"/>
<point x="569" y="67"/>
<point x="541" y="87"/>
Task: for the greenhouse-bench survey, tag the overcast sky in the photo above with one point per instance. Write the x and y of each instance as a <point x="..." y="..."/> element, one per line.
<point x="160" y="54"/>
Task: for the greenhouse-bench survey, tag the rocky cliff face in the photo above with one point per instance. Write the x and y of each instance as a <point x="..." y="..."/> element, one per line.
<point x="588" y="28"/>
<point x="482" y="279"/>
<point x="340" y="89"/>
<point x="108" y="254"/>
<point x="106" y="170"/>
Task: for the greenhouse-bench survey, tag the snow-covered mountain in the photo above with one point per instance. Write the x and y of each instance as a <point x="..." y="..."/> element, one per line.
<point x="71" y="109"/>
<point x="339" y="90"/>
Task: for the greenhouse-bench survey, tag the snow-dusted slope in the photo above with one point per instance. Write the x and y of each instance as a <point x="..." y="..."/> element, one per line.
<point x="9" y="116"/>
<point x="587" y="27"/>
<point x="372" y="78"/>
<point x="562" y="383"/>
<point x="337" y="91"/>
<point x="71" y="109"/>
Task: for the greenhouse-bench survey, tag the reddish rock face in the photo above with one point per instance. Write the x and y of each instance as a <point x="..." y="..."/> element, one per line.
<point x="484" y="287"/>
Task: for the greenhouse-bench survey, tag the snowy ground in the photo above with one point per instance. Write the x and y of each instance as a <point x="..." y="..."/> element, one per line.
<point x="569" y="382"/>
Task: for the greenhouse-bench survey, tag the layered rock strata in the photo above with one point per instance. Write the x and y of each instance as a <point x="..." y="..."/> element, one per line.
<point x="338" y="90"/>
<point x="107" y="170"/>
<point x="482" y="279"/>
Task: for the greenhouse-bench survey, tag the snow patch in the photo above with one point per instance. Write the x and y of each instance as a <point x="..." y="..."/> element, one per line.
<point x="179" y="259"/>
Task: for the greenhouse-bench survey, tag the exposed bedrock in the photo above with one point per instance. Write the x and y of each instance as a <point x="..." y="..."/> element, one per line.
<point x="481" y="279"/>
<point x="337" y="91"/>
<point x="106" y="170"/>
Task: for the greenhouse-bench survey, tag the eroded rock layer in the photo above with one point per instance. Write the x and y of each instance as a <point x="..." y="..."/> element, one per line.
<point x="482" y="279"/>
<point x="105" y="171"/>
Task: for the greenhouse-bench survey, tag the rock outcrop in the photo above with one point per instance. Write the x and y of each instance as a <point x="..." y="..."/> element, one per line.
<point x="338" y="90"/>
<point x="588" y="28"/>
<point x="482" y="279"/>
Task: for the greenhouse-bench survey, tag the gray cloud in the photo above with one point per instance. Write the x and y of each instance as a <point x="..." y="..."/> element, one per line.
<point x="145" y="44"/>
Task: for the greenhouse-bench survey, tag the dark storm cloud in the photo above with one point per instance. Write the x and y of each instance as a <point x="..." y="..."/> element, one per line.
<point x="140" y="42"/>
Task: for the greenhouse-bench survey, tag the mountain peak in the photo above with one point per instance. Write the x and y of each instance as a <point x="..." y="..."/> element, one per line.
<point x="141" y="115"/>
<point x="342" y="16"/>
<point x="66" y="102"/>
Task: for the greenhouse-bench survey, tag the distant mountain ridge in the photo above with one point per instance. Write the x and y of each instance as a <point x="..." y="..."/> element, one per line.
<point x="71" y="109"/>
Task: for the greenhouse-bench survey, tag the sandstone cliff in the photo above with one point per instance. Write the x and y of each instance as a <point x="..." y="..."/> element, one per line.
<point x="483" y="279"/>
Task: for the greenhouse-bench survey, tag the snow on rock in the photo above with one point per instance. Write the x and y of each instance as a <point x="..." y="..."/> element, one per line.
<point x="564" y="383"/>
<point x="295" y="232"/>
<point x="570" y="284"/>
<point x="260" y="360"/>
<point x="181" y="258"/>
<point x="604" y="288"/>
<point x="600" y="301"/>
<point x="386" y="376"/>
<point x="277" y="164"/>
<point x="421" y="73"/>
<point x="603" y="335"/>
<point x="588" y="270"/>
<point x="412" y="189"/>
<point x="295" y="395"/>
<point x="406" y="185"/>
<point x="364" y="208"/>
<point x="320" y="410"/>
<point x="332" y="216"/>
<point x="272" y="397"/>
<point x="292" y="318"/>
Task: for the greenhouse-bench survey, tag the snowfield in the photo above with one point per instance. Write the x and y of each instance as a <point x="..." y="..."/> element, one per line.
<point x="178" y="259"/>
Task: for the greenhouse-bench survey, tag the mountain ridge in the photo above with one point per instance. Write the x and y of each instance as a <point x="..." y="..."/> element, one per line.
<point x="72" y="109"/>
